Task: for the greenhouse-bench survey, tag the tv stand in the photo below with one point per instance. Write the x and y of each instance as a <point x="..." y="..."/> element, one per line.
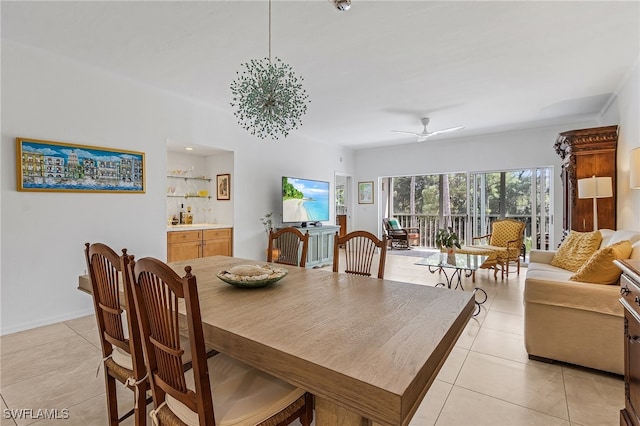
<point x="320" y="251"/>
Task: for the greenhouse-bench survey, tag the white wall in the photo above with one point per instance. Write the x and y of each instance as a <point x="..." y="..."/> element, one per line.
<point x="499" y="151"/>
<point x="625" y="111"/>
<point x="42" y="234"/>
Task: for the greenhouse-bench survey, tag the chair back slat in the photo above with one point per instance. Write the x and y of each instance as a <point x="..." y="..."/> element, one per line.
<point x="159" y="292"/>
<point x="287" y="242"/>
<point x="360" y="248"/>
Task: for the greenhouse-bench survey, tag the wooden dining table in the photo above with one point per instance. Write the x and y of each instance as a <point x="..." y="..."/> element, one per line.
<point x="367" y="348"/>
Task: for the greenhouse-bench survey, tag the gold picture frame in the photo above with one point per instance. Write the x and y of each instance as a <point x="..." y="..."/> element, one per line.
<point x="365" y="192"/>
<point x="48" y="166"/>
<point x="223" y="187"/>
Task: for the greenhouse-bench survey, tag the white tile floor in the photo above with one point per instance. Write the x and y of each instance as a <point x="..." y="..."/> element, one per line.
<point x="486" y="380"/>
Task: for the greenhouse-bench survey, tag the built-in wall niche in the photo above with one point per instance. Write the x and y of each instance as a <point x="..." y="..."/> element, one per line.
<point x="191" y="182"/>
<point x="189" y="187"/>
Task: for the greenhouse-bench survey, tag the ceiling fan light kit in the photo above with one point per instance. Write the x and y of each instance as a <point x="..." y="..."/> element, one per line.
<point x="427" y="134"/>
<point x="342" y="5"/>
<point x="268" y="96"/>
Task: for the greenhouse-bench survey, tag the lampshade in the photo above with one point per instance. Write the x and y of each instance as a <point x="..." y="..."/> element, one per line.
<point x="595" y="187"/>
<point x="634" y="169"/>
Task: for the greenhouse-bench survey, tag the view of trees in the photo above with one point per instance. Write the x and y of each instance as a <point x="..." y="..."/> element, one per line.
<point x="436" y="201"/>
<point x="504" y="193"/>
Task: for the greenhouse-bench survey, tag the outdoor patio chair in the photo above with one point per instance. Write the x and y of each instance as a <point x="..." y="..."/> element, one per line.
<point x="398" y="236"/>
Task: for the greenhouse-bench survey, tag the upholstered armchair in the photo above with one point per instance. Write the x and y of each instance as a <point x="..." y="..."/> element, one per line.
<point x="398" y="236"/>
<point x="505" y="240"/>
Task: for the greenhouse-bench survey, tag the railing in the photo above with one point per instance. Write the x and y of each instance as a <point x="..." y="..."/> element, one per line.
<point x="428" y="225"/>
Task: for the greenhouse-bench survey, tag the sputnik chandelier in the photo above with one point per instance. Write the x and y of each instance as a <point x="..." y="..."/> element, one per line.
<point x="268" y="97"/>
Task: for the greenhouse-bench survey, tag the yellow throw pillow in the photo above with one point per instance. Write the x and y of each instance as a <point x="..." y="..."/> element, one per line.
<point x="576" y="249"/>
<point x="599" y="269"/>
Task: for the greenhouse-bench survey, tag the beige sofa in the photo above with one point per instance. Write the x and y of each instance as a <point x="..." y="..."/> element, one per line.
<point x="574" y="322"/>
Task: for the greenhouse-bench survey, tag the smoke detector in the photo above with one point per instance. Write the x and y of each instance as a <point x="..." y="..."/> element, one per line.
<point x="342" y="5"/>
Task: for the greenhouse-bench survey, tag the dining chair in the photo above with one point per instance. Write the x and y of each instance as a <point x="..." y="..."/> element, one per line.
<point x="284" y="247"/>
<point x="360" y="248"/>
<point x="219" y="390"/>
<point x="122" y="354"/>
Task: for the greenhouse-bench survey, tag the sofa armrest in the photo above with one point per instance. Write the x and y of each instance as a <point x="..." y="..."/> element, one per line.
<point x="541" y="256"/>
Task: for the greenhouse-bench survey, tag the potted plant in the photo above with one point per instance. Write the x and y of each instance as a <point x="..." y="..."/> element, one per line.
<point x="267" y="222"/>
<point x="446" y="240"/>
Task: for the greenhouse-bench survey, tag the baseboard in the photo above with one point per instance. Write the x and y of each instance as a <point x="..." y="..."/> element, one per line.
<point x="46" y="321"/>
<point x="542" y="359"/>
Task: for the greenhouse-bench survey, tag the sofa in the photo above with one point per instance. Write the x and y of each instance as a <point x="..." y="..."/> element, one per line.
<point x="573" y="321"/>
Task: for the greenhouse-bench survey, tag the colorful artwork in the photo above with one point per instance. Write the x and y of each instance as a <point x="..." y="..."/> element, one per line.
<point x="56" y="166"/>
<point x="365" y="192"/>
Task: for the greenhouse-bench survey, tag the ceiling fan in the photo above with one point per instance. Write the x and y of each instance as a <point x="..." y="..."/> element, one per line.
<point x="425" y="133"/>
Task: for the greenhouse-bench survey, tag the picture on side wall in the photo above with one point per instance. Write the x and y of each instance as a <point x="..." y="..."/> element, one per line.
<point x="365" y="192"/>
<point x="223" y="187"/>
<point x="65" y="167"/>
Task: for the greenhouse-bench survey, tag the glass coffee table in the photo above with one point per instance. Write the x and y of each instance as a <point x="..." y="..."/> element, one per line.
<point x="454" y="266"/>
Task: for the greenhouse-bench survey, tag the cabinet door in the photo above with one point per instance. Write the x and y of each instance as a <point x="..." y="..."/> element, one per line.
<point x="183" y="245"/>
<point x="216" y="242"/>
<point x="183" y="251"/>
<point x="216" y="247"/>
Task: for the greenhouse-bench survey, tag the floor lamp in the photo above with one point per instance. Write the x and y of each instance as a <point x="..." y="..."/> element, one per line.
<point x="634" y="169"/>
<point x="595" y="187"/>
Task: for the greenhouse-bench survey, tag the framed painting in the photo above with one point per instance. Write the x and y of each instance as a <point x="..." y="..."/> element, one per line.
<point x="223" y="187"/>
<point x="365" y="192"/>
<point x="65" y="167"/>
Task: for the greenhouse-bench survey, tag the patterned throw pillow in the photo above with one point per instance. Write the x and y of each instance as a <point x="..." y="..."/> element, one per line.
<point x="576" y="249"/>
<point x="599" y="269"/>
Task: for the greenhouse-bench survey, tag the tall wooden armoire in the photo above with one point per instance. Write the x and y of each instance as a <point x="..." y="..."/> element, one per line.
<point x="586" y="153"/>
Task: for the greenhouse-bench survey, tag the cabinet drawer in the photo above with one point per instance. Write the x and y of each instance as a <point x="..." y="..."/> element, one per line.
<point x="214" y="234"/>
<point x="630" y="294"/>
<point x="183" y="236"/>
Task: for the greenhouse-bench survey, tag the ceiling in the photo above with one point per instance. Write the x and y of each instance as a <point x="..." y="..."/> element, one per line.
<point x="488" y="65"/>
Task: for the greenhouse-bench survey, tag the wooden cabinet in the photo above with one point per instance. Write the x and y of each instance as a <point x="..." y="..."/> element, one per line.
<point x="342" y="223"/>
<point x="321" y="240"/>
<point x="184" y="245"/>
<point x="216" y="242"/>
<point x="586" y="153"/>
<point x="630" y="292"/>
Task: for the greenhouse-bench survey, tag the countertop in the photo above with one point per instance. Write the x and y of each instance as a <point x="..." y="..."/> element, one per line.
<point x="197" y="227"/>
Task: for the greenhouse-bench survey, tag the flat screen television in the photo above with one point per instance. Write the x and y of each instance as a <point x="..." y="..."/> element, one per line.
<point x="304" y="200"/>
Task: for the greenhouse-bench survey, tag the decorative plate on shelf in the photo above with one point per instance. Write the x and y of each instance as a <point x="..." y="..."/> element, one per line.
<point x="252" y="276"/>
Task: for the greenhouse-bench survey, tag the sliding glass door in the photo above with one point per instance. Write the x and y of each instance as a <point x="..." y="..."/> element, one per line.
<point x="523" y="195"/>
<point x="470" y="202"/>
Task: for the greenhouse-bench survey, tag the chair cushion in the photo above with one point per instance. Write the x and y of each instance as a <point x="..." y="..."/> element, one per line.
<point x="241" y="394"/>
<point x="394" y="224"/>
<point x="600" y="269"/>
<point x="576" y="249"/>
<point x="123" y="358"/>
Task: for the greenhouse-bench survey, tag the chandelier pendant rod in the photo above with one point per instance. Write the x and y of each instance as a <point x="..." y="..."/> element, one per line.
<point x="269" y="31"/>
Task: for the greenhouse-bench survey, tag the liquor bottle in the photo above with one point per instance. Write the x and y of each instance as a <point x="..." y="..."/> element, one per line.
<point x="189" y="217"/>
<point x="182" y="214"/>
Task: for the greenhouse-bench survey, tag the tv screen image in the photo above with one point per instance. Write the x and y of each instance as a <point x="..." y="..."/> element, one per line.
<point x="304" y="200"/>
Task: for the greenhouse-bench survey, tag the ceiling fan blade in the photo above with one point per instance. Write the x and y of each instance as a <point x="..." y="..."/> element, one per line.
<point x="450" y="129"/>
<point x="407" y="133"/>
